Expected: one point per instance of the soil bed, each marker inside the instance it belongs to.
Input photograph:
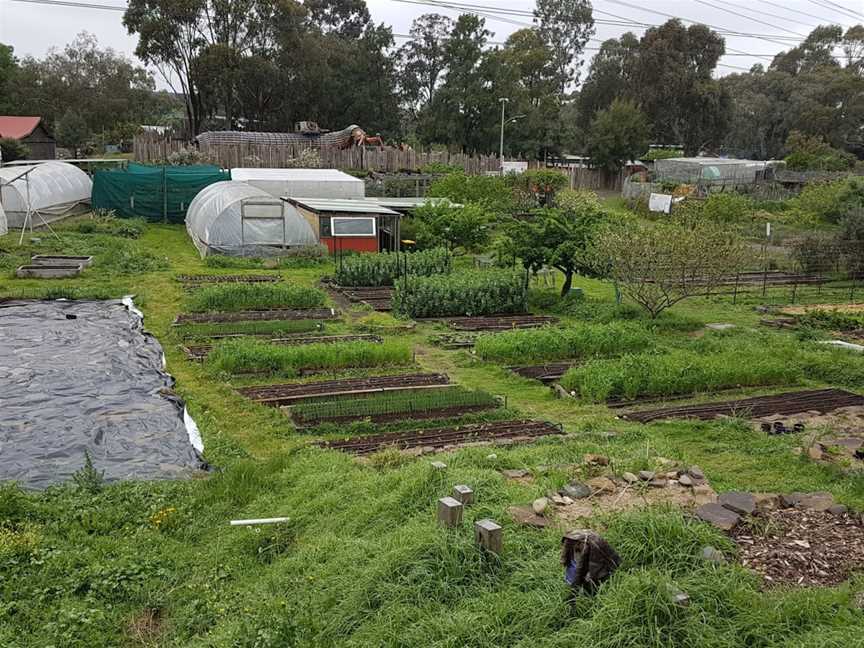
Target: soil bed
(819, 400)
(494, 322)
(441, 437)
(286, 394)
(250, 278)
(258, 316)
(198, 352)
(545, 373)
(802, 547)
(443, 413)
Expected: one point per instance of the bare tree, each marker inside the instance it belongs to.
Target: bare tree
(658, 265)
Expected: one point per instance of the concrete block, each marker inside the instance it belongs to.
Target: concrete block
(488, 534)
(463, 494)
(449, 512)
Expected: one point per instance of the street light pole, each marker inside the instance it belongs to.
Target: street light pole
(503, 101)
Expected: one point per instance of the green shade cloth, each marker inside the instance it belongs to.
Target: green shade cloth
(157, 193)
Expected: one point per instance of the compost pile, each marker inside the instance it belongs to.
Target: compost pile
(803, 547)
(80, 376)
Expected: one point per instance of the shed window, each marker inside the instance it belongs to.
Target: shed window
(364, 226)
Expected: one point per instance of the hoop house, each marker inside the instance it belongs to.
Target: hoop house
(302, 183)
(237, 219)
(3, 228)
(53, 190)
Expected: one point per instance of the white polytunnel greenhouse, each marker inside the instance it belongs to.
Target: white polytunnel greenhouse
(302, 183)
(47, 191)
(3, 228)
(238, 219)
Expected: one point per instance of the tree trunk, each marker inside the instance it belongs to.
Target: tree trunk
(568, 283)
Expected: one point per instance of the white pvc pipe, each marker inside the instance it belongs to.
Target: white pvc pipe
(276, 520)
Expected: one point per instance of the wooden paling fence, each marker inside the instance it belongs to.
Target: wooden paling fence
(148, 149)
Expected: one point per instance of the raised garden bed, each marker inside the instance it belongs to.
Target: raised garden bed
(378, 298)
(207, 279)
(60, 260)
(494, 322)
(199, 352)
(441, 437)
(453, 340)
(819, 400)
(48, 271)
(545, 373)
(258, 316)
(383, 408)
(287, 394)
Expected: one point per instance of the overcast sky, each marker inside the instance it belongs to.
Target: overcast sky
(32, 29)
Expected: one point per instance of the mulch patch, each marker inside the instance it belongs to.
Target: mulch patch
(802, 547)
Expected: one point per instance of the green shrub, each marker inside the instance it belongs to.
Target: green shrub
(239, 297)
(812, 153)
(831, 201)
(493, 192)
(254, 356)
(381, 269)
(105, 222)
(577, 341)
(834, 320)
(727, 207)
(441, 224)
(392, 403)
(465, 293)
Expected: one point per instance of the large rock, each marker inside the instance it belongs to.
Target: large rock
(685, 480)
(696, 472)
(646, 475)
(713, 555)
(629, 477)
(575, 490)
(515, 473)
(738, 502)
(525, 515)
(718, 515)
(601, 485)
(539, 505)
(820, 501)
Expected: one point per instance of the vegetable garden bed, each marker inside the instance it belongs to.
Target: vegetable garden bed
(286, 394)
(197, 280)
(545, 373)
(500, 322)
(259, 315)
(819, 400)
(440, 437)
(199, 352)
(254, 297)
(228, 330)
(382, 408)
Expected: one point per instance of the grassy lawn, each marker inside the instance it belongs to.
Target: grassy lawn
(362, 562)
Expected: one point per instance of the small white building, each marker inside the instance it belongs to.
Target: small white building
(48, 191)
(302, 183)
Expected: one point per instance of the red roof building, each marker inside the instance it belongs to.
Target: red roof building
(32, 133)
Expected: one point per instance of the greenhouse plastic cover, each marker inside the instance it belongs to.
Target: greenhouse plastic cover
(302, 183)
(157, 193)
(214, 222)
(80, 376)
(3, 227)
(56, 189)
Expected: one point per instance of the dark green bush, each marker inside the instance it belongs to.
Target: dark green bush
(488, 292)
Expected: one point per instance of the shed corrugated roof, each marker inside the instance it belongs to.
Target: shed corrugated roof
(17, 127)
(341, 205)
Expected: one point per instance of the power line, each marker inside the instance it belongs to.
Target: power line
(846, 13)
(803, 13)
(740, 15)
(78, 5)
(770, 15)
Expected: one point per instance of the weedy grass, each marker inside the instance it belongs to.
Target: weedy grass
(382, 269)
(263, 296)
(245, 355)
(303, 257)
(716, 366)
(423, 401)
(273, 328)
(558, 343)
(487, 292)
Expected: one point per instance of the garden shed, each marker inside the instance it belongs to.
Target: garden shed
(707, 169)
(350, 225)
(302, 183)
(50, 191)
(158, 193)
(238, 219)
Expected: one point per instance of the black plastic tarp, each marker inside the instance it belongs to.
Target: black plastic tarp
(84, 375)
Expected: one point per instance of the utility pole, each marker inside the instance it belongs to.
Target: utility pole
(503, 101)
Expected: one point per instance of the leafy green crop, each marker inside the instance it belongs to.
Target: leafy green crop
(558, 343)
(393, 403)
(383, 268)
(254, 356)
(238, 297)
(465, 293)
(683, 372)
